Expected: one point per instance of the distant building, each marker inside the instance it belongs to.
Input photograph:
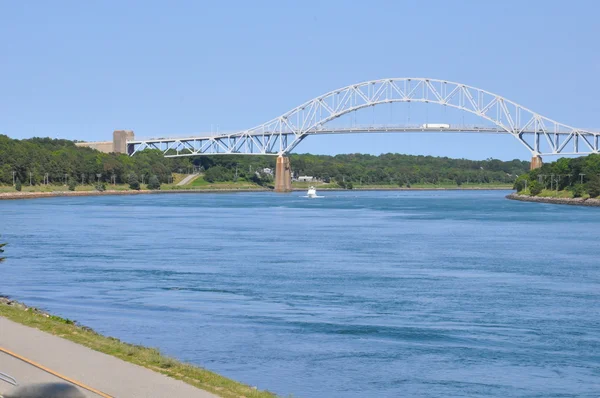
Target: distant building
(306, 178)
(117, 145)
(102, 146)
(267, 170)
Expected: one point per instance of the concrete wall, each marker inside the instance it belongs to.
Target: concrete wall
(102, 146)
(120, 138)
(117, 145)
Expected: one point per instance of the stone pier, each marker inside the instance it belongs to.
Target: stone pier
(283, 175)
(536, 162)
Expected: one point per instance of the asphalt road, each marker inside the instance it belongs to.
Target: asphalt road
(102, 372)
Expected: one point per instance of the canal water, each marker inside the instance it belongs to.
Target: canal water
(357, 294)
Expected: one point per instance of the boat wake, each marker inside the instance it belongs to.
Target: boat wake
(312, 193)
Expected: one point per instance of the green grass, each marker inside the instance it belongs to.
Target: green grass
(356, 185)
(200, 182)
(149, 358)
(547, 193)
(316, 184)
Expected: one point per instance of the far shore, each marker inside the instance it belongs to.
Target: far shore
(37, 195)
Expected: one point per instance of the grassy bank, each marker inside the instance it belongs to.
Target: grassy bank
(201, 184)
(547, 193)
(333, 185)
(125, 187)
(149, 358)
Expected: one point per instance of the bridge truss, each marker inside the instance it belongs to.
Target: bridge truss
(539, 134)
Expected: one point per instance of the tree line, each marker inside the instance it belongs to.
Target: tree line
(579, 175)
(45, 160)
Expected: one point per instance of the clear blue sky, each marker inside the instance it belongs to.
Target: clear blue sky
(81, 69)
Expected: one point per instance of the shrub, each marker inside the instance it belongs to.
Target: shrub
(519, 185)
(72, 184)
(133, 182)
(100, 187)
(578, 190)
(18, 185)
(349, 185)
(218, 174)
(593, 186)
(535, 188)
(153, 183)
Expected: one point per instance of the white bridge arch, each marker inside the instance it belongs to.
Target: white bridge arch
(279, 136)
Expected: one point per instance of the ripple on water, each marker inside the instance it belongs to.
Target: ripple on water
(361, 294)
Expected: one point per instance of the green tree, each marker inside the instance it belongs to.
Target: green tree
(520, 184)
(18, 185)
(218, 174)
(593, 186)
(578, 190)
(154, 183)
(72, 184)
(133, 182)
(535, 188)
(349, 185)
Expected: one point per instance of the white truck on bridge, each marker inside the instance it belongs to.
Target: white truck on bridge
(435, 126)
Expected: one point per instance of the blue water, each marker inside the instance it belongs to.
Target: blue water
(358, 294)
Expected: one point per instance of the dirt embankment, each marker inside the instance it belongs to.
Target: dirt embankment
(33, 195)
(557, 201)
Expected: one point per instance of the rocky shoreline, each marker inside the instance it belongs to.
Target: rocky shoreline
(37, 195)
(557, 201)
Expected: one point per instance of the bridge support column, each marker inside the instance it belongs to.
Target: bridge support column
(283, 175)
(536, 162)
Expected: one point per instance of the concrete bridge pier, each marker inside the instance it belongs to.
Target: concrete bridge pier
(283, 175)
(536, 162)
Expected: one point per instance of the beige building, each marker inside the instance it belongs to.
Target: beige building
(117, 145)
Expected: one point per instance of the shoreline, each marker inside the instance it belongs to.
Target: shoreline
(145, 357)
(38, 195)
(555, 201)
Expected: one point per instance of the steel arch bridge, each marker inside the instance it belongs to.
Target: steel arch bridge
(279, 136)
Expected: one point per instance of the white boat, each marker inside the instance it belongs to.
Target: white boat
(312, 192)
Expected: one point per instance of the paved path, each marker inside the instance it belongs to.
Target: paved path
(102, 372)
(187, 179)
